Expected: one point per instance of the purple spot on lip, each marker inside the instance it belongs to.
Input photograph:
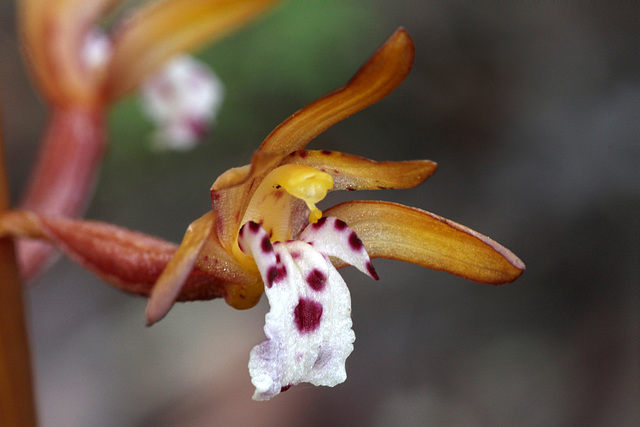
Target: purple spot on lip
(282, 273)
(316, 280)
(266, 245)
(372, 271)
(340, 225)
(285, 388)
(355, 242)
(307, 315)
(276, 273)
(320, 222)
(272, 273)
(254, 226)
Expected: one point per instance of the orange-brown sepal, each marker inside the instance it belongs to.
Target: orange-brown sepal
(391, 230)
(382, 73)
(351, 172)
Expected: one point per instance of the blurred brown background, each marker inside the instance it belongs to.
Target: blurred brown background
(531, 111)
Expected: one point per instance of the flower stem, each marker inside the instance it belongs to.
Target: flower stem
(17, 407)
(63, 178)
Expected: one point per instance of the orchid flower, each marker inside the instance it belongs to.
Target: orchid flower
(81, 69)
(265, 234)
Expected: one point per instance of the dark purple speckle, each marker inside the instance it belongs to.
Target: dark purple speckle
(254, 226)
(282, 273)
(372, 271)
(266, 245)
(319, 223)
(316, 280)
(276, 273)
(307, 315)
(285, 388)
(272, 273)
(340, 225)
(355, 242)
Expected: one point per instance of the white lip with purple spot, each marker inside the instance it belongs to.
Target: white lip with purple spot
(308, 328)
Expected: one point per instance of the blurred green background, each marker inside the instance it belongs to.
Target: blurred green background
(530, 110)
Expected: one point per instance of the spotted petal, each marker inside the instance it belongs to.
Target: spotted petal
(332, 236)
(390, 230)
(308, 329)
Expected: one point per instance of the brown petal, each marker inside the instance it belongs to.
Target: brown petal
(390, 230)
(386, 69)
(160, 30)
(351, 172)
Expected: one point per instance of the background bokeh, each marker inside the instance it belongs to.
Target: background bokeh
(531, 111)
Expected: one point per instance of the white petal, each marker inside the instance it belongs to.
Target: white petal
(308, 328)
(333, 237)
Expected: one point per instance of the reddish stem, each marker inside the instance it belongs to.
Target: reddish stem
(64, 175)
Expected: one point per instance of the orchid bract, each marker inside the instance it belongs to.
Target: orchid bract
(265, 234)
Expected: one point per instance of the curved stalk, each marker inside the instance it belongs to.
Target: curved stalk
(61, 185)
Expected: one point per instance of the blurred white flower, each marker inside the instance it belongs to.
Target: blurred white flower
(182, 99)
